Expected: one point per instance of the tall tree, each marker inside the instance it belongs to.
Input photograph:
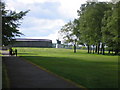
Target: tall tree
(97, 25)
(91, 15)
(10, 24)
(111, 28)
(67, 32)
(70, 33)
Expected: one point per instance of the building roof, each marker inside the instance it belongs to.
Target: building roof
(26, 39)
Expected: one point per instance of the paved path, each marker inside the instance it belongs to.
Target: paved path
(25, 75)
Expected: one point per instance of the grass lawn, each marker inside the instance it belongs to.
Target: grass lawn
(88, 70)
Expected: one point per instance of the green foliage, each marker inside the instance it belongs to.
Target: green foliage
(111, 28)
(67, 32)
(97, 25)
(10, 24)
(83, 47)
(90, 19)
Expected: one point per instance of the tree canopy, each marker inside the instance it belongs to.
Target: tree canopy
(97, 25)
(10, 24)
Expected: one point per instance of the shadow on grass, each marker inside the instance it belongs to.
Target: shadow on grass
(107, 54)
(87, 73)
(27, 54)
(65, 59)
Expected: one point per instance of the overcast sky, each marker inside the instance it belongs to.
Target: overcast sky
(46, 17)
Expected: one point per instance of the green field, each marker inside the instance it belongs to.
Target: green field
(88, 70)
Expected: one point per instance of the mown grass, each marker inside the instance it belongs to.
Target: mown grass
(89, 70)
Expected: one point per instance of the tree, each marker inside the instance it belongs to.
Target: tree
(10, 24)
(76, 31)
(70, 33)
(91, 15)
(67, 32)
(111, 28)
(97, 25)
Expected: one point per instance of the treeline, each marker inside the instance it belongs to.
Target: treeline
(97, 26)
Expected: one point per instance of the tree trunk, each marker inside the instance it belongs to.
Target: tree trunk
(112, 51)
(116, 52)
(98, 48)
(103, 49)
(88, 49)
(109, 52)
(93, 49)
(74, 48)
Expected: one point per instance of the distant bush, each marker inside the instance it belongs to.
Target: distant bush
(83, 47)
(109, 48)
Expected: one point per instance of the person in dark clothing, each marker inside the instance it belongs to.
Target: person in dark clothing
(10, 51)
(16, 52)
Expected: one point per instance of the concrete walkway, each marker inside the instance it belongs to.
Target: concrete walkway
(25, 75)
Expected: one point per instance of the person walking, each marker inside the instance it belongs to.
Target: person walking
(16, 52)
(10, 51)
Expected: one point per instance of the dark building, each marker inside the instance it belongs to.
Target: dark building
(44, 43)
